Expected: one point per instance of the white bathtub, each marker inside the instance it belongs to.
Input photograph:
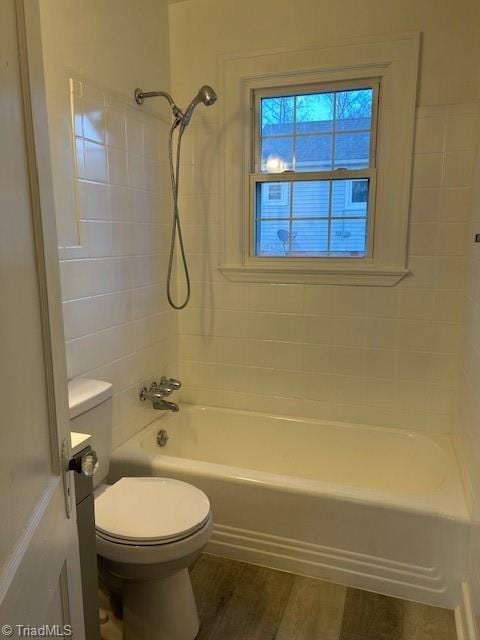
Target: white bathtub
(379, 509)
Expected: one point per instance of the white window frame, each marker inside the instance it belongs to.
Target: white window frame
(394, 62)
(257, 176)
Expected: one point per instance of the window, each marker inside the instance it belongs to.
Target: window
(323, 139)
(317, 151)
(275, 194)
(356, 194)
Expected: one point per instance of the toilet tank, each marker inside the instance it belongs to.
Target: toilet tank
(90, 404)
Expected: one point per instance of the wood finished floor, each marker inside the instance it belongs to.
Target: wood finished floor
(238, 601)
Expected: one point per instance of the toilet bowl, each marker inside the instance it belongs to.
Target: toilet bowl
(148, 531)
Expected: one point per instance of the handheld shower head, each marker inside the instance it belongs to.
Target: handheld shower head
(206, 95)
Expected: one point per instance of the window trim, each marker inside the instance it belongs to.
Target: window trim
(394, 61)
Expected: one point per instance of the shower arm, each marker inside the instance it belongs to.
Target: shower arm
(141, 95)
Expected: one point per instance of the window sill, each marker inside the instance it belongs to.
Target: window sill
(372, 276)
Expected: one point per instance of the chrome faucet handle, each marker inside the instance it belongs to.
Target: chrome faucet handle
(163, 387)
(176, 384)
(144, 394)
(154, 393)
(167, 384)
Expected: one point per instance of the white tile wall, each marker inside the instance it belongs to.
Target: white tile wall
(468, 431)
(117, 324)
(387, 356)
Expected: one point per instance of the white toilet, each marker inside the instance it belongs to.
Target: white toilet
(149, 530)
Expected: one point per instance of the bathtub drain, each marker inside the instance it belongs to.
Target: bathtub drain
(162, 438)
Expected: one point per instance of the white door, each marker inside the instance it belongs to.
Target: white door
(39, 562)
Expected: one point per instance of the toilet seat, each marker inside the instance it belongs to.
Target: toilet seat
(150, 511)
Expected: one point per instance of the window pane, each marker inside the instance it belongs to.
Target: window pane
(338, 119)
(312, 218)
(350, 198)
(313, 153)
(309, 237)
(277, 115)
(314, 112)
(273, 199)
(311, 199)
(353, 109)
(352, 150)
(348, 237)
(277, 154)
(298, 132)
(273, 237)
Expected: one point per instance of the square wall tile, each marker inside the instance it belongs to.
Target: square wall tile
(119, 204)
(427, 170)
(136, 171)
(461, 131)
(458, 168)
(95, 161)
(117, 166)
(116, 127)
(430, 133)
(94, 203)
(94, 118)
(135, 133)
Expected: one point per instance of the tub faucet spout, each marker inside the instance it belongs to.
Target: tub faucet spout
(164, 405)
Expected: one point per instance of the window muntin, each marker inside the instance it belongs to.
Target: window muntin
(329, 135)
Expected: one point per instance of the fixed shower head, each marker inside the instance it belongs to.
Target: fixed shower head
(206, 95)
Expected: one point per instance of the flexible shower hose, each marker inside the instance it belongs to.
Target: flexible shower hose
(176, 223)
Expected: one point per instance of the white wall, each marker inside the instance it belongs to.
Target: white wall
(114, 243)
(387, 356)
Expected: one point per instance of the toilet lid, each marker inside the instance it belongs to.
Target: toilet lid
(150, 510)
